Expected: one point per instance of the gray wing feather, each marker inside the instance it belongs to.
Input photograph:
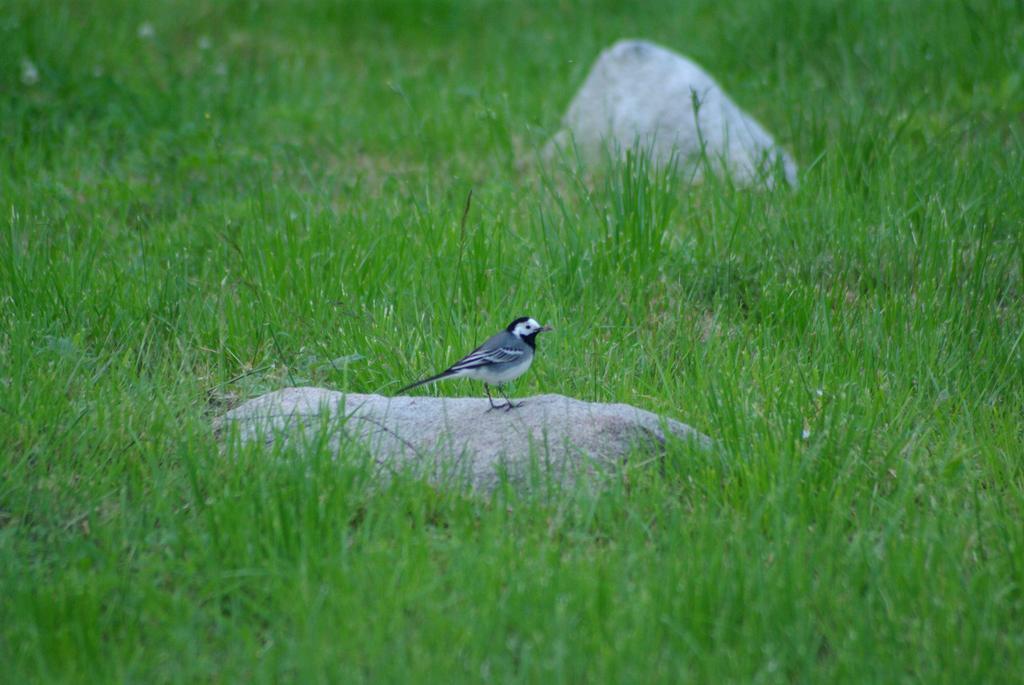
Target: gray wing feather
(484, 357)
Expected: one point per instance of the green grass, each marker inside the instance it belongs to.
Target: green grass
(257, 189)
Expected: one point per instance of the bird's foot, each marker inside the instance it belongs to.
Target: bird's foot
(508, 406)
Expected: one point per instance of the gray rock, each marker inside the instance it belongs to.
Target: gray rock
(549, 436)
(639, 94)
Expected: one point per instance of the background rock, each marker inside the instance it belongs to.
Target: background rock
(458, 437)
(639, 94)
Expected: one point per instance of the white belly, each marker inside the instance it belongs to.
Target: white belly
(496, 375)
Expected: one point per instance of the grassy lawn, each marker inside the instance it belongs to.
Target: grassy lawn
(203, 201)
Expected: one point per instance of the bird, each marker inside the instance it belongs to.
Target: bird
(505, 356)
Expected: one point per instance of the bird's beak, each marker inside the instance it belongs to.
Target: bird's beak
(545, 329)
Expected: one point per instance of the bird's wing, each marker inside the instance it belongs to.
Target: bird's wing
(484, 356)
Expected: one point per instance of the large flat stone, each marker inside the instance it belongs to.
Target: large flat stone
(550, 435)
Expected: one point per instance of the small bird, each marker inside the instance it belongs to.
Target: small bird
(504, 357)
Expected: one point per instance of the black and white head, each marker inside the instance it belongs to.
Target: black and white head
(526, 329)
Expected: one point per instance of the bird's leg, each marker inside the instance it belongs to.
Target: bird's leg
(490, 399)
(509, 405)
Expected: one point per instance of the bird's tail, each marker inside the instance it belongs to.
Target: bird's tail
(441, 376)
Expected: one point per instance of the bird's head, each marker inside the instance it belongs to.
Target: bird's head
(526, 329)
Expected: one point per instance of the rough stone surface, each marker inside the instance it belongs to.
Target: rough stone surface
(639, 94)
(550, 435)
